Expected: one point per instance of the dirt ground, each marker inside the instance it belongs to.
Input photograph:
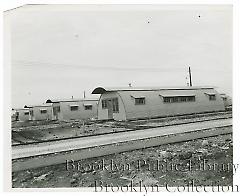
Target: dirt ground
(205, 161)
(24, 132)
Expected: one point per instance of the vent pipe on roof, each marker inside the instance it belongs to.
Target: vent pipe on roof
(130, 84)
(84, 94)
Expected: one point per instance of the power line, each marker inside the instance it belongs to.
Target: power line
(91, 67)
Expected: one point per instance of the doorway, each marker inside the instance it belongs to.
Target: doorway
(110, 108)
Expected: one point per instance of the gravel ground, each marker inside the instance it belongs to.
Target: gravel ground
(48, 130)
(167, 164)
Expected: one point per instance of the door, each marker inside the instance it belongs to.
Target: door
(31, 114)
(56, 110)
(110, 108)
(17, 116)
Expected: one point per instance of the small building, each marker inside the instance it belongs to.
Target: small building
(227, 100)
(73, 109)
(13, 115)
(140, 103)
(40, 112)
(22, 114)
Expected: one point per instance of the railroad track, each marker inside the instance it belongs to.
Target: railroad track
(139, 127)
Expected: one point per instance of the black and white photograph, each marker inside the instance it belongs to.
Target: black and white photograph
(121, 98)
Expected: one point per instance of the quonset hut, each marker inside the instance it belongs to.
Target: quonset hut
(40, 112)
(139, 103)
(73, 109)
(22, 114)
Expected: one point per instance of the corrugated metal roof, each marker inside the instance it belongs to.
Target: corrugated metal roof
(101, 90)
(21, 109)
(43, 105)
(28, 106)
(70, 100)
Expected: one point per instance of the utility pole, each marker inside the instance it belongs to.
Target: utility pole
(84, 94)
(190, 76)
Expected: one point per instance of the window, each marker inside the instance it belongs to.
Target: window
(43, 111)
(88, 107)
(183, 99)
(74, 107)
(176, 99)
(26, 113)
(167, 99)
(115, 105)
(191, 98)
(140, 101)
(212, 97)
(104, 104)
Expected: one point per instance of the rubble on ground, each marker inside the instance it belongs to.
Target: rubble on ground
(216, 152)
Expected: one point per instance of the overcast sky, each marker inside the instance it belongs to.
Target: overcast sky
(60, 51)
